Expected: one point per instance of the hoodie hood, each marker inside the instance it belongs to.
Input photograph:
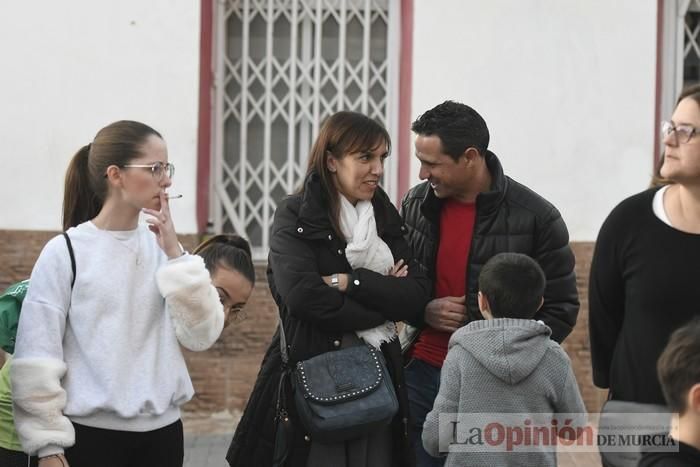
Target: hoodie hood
(510, 349)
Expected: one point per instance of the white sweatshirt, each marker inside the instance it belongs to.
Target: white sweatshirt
(105, 353)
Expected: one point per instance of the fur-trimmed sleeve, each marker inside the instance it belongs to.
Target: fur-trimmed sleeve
(192, 301)
(38, 402)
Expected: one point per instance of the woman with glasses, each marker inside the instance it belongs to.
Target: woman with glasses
(646, 266)
(227, 258)
(339, 270)
(98, 376)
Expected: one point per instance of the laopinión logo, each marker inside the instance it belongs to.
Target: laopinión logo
(528, 432)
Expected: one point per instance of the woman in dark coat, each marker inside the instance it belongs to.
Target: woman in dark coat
(325, 303)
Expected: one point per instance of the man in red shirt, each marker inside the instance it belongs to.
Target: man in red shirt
(465, 212)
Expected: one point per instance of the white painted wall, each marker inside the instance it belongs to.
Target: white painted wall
(70, 68)
(567, 88)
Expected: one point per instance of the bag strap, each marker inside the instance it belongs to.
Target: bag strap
(283, 426)
(283, 345)
(72, 257)
(281, 414)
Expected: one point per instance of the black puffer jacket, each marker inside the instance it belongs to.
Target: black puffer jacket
(304, 247)
(509, 218)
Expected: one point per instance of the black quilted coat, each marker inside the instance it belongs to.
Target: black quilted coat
(509, 218)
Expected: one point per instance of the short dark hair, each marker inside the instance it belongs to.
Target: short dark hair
(679, 365)
(514, 285)
(457, 125)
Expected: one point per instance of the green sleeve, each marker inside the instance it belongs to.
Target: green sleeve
(8, 435)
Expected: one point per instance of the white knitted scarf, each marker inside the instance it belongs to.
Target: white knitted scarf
(366, 250)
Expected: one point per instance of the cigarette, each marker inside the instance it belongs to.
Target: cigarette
(174, 196)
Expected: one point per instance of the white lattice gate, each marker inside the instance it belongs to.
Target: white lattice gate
(681, 50)
(283, 66)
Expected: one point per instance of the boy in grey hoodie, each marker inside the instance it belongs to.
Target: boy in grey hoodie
(505, 364)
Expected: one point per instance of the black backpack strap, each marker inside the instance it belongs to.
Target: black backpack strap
(72, 257)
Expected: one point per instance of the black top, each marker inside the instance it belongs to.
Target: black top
(644, 284)
(509, 218)
(687, 456)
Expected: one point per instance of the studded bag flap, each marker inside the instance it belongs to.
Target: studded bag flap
(342, 394)
(342, 375)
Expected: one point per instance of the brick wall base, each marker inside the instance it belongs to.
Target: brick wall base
(577, 344)
(224, 375)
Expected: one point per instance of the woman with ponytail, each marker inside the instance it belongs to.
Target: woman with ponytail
(229, 262)
(98, 377)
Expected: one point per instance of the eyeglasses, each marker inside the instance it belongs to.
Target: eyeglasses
(234, 312)
(158, 169)
(683, 132)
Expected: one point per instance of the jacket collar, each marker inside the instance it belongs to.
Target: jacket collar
(314, 211)
(486, 202)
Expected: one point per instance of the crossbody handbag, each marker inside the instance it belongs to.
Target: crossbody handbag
(624, 417)
(342, 394)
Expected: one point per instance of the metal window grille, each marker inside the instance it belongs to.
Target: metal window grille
(681, 50)
(282, 67)
(691, 49)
